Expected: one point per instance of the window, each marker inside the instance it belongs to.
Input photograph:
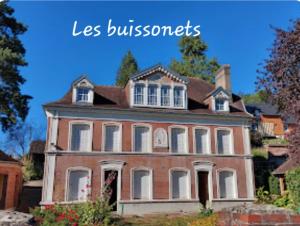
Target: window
(142, 139)
(112, 141)
(152, 95)
(201, 141)
(81, 137)
(78, 185)
(178, 140)
(220, 104)
(227, 185)
(180, 184)
(141, 184)
(224, 142)
(82, 95)
(165, 96)
(139, 94)
(178, 97)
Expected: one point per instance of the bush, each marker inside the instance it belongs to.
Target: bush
(274, 185)
(263, 196)
(28, 169)
(211, 220)
(293, 185)
(256, 139)
(283, 201)
(206, 212)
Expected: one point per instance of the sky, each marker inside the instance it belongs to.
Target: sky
(237, 33)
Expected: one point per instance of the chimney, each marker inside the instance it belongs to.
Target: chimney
(223, 78)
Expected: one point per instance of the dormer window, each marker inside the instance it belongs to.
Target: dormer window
(165, 96)
(82, 95)
(139, 94)
(178, 97)
(152, 95)
(220, 104)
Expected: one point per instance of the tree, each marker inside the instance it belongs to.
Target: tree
(255, 98)
(128, 67)
(194, 62)
(13, 104)
(280, 78)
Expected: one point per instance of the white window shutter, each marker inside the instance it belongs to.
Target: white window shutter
(178, 139)
(112, 138)
(226, 184)
(142, 141)
(141, 185)
(80, 137)
(179, 185)
(224, 141)
(78, 181)
(201, 136)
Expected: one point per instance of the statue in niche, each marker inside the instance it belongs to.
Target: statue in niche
(160, 138)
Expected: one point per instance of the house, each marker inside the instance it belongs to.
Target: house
(172, 144)
(10, 181)
(267, 120)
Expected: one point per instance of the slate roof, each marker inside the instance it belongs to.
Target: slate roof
(263, 108)
(112, 97)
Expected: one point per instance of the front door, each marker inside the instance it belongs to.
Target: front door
(203, 187)
(111, 180)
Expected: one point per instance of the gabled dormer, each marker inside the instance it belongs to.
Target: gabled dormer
(158, 87)
(82, 91)
(220, 99)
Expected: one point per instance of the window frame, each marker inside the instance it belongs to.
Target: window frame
(150, 137)
(186, 138)
(67, 178)
(143, 94)
(152, 96)
(87, 94)
(132, 171)
(208, 151)
(234, 175)
(104, 136)
(80, 122)
(162, 96)
(189, 185)
(232, 152)
(183, 96)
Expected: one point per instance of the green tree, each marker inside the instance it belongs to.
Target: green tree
(13, 104)
(128, 67)
(194, 62)
(255, 98)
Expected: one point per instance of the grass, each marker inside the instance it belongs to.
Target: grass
(165, 220)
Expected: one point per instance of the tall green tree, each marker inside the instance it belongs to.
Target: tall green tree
(128, 67)
(13, 104)
(194, 62)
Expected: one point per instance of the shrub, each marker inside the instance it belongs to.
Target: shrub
(28, 169)
(283, 201)
(293, 185)
(211, 220)
(263, 196)
(273, 185)
(206, 212)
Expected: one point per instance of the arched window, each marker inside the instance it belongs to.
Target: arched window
(180, 184)
(224, 141)
(201, 136)
(227, 184)
(178, 140)
(141, 184)
(142, 141)
(80, 136)
(78, 184)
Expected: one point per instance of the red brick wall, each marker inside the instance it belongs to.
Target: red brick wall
(159, 164)
(63, 128)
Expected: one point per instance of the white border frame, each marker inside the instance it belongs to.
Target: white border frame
(189, 187)
(236, 192)
(132, 171)
(81, 122)
(204, 166)
(67, 177)
(232, 152)
(116, 165)
(104, 124)
(186, 139)
(150, 146)
(208, 151)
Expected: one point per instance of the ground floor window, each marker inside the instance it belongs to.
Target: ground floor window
(141, 184)
(78, 185)
(179, 184)
(227, 184)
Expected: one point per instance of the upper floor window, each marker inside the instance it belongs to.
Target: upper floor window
(179, 140)
(220, 104)
(139, 94)
(178, 97)
(224, 141)
(82, 95)
(227, 184)
(112, 138)
(152, 95)
(142, 139)
(165, 96)
(81, 137)
(201, 137)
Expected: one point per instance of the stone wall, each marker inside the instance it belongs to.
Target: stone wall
(259, 215)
